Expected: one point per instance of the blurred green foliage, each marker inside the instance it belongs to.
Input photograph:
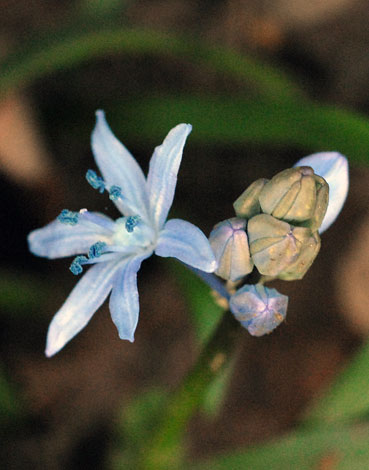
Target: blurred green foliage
(50, 56)
(328, 447)
(228, 120)
(204, 312)
(348, 397)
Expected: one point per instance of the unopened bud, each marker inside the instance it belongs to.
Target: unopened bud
(333, 167)
(248, 205)
(304, 260)
(229, 243)
(275, 245)
(259, 309)
(292, 195)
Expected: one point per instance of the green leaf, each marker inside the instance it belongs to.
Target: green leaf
(228, 120)
(217, 390)
(205, 312)
(52, 55)
(348, 397)
(338, 449)
(135, 426)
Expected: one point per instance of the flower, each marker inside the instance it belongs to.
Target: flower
(117, 248)
(259, 309)
(333, 167)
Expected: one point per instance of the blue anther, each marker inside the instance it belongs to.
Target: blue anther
(68, 217)
(131, 222)
(96, 249)
(115, 192)
(95, 181)
(76, 266)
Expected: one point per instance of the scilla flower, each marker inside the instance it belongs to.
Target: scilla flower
(117, 248)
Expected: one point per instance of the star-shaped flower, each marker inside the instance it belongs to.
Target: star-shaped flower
(117, 248)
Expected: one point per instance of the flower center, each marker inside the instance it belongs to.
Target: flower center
(133, 232)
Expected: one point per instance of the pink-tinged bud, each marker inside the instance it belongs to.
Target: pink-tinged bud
(259, 309)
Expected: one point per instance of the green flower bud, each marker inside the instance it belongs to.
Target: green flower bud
(297, 196)
(276, 246)
(248, 205)
(229, 243)
(322, 199)
(304, 260)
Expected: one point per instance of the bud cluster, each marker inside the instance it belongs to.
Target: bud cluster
(276, 228)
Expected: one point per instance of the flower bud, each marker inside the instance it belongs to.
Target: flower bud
(259, 309)
(276, 245)
(292, 195)
(298, 268)
(229, 243)
(248, 205)
(333, 167)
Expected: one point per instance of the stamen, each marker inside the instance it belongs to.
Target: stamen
(68, 217)
(115, 192)
(96, 250)
(131, 222)
(95, 181)
(76, 266)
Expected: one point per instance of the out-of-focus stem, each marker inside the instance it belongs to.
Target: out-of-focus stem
(164, 450)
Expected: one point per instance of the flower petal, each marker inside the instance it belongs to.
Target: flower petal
(162, 177)
(86, 297)
(119, 168)
(124, 305)
(186, 242)
(58, 240)
(333, 167)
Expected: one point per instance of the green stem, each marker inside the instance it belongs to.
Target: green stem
(163, 452)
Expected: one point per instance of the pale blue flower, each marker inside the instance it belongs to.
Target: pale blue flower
(333, 167)
(259, 309)
(117, 248)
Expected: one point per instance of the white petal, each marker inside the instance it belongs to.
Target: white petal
(86, 297)
(333, 167)
(119, 168)
(186, 242)
(124, 305)
(162, 177)
(58, 240)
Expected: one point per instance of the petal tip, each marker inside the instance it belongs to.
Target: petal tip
(99, 113)
(126, 337)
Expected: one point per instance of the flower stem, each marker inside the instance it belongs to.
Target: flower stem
(211, 280)
(164, 450)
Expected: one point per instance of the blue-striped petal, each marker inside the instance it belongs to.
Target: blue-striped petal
(58, 240)
(162, 177)
(86, 297)
(124, 304)
(119, 168)
(333, 167)
(182, 240)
